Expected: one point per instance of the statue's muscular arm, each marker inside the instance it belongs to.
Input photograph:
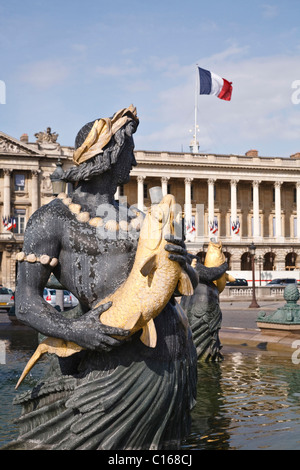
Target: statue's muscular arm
(208, 275)
(43, 236)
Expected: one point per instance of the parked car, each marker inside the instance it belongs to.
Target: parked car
(49, 295)
(238, 282)
(7, 298)
(12, 316)
(281, 282)
(70, 300)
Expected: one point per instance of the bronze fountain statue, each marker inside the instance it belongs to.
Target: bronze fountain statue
(127, 384)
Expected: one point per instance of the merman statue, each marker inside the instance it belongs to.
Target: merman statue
(203, 307)
(118, 390)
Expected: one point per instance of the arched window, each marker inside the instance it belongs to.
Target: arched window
(246, 261)
(290, 261)
(269, 259)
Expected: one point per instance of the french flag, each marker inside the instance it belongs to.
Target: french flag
(212, 84)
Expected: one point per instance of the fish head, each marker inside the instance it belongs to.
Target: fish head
(159, 222)
(214, 256)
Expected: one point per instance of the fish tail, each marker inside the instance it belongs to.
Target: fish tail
(40, 350)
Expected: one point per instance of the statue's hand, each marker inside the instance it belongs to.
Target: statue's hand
(90, 333)
(177, 250)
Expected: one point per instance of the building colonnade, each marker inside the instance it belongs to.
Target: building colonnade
(254, 229)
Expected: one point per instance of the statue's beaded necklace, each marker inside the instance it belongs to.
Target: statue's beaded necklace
(112, 225)
(84, 217)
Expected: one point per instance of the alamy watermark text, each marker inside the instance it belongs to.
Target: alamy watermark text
(2, 92)
(296, 94)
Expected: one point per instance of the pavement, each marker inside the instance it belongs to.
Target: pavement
(239, 327)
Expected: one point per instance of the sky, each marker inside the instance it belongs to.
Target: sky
(65, 63)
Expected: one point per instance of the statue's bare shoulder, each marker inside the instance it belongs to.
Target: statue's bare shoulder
(45, 227)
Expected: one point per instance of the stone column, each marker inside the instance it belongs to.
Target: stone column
(298, 208)
(255, 185)
(233, 201)
(211, 199)
(34, 190)
(140, 180)
(277, 185)
(188, 199)
(164, 184)
(6, 192)
(280, 259)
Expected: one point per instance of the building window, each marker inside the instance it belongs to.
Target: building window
(169, 189)
(269, 259)
(19, 182)
(192, 192)
(145, 191)
(246, 261)
(20, 220)
(252, 226)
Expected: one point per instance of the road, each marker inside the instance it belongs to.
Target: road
(238, 314)
(235, 313)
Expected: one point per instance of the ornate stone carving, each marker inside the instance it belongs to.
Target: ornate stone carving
(165, 179)
(47, 140)
(46, 136)
(188, 180)
(10, 145)
(7, 146)
(46, 183)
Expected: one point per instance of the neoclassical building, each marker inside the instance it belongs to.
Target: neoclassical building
(25, 185)
(237, 199)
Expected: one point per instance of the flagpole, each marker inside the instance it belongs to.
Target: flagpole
(196, 96)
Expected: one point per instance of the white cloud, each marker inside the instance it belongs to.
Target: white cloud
(117, 70)
(260, 112)
(269, 11)
(45, 73)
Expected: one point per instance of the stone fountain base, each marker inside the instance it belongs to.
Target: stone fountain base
(284, 318)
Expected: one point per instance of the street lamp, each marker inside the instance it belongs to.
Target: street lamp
(254, 303)
(58, 185)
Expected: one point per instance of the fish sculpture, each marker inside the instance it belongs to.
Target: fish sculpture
(144, 294)
(214, 258)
